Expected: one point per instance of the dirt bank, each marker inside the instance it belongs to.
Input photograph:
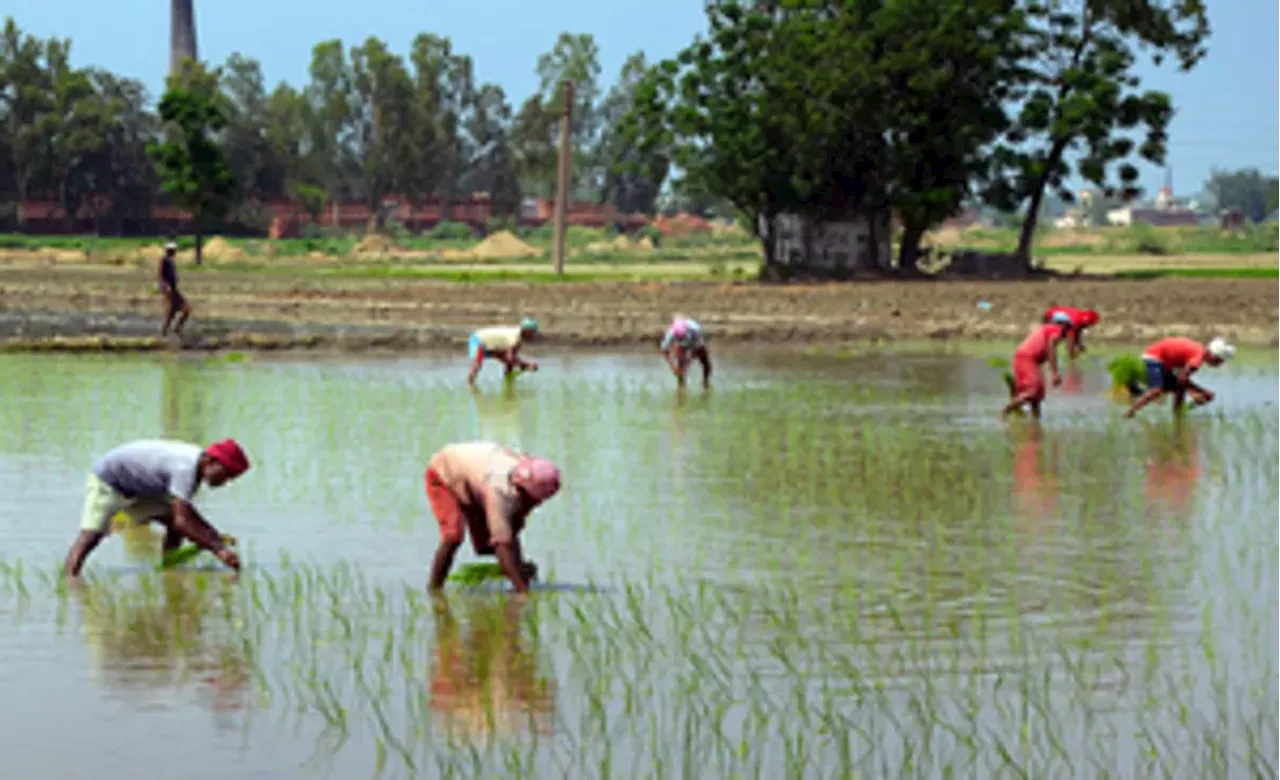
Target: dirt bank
(80, 304)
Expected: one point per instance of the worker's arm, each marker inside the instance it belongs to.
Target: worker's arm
(512, 359)
(499, 514)
(80, 549)
(188, 522)
(1053, 363)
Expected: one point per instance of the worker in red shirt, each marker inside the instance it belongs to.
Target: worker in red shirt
(1170, 362)
(1040, 347)
(1075, 319)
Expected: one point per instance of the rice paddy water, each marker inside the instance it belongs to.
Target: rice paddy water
(824, 567)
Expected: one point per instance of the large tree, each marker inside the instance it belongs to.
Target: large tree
(190, 165)
(1081, 97)
(628, 189)
(382, 118)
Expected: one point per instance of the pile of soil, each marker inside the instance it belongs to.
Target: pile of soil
(681, 225)
(620, 244)
(503, 244)
(374, 244)
(220, 250)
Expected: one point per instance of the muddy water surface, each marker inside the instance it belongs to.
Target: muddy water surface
(822, 567)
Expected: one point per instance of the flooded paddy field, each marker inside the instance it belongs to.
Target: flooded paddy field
(823, 567)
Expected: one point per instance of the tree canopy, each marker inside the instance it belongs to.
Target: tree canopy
(823, 107)
(368, 122)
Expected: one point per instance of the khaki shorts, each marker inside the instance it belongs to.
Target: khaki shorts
(101, 502)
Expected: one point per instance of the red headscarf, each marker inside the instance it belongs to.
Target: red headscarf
(228, 453)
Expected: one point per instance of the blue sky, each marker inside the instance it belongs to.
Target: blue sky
(1228, 107)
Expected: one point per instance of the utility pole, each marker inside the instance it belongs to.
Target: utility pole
(562, 183)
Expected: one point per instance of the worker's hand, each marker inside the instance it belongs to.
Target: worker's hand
(1057, 379)
(229, 557)
(531, 366)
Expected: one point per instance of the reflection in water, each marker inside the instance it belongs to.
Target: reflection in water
(483, 678)
(1072, 380)
(181, 408)
(1035, 472)
(498, 416)
(1173, 468)
(150, 640)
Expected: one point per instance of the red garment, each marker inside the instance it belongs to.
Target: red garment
(453, 518)
(1080, 318)
(1037, 345)
(1177, 352)
(230, 455)
(1027, 377)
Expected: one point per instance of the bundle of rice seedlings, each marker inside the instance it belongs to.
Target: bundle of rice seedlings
(1127, 373)
(477, 573)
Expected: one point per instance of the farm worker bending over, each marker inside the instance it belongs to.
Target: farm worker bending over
(1028, 381)
(501, 343)
(486, 490)
(1170, 362)
(1075, 319)
(683, 343)
(155, 481)
(175, 305)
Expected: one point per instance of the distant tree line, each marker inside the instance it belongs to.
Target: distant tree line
(852, 107)
(1247, 191)
(368, 123)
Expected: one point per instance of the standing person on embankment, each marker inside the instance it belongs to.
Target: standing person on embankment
(1075, 319)
(502, 344)
(1040, 347)
(155, 480)
(1170, 362)
(683, 343)
(175, 305)
(487, 491)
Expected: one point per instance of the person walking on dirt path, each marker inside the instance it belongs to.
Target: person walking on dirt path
(155, 480)
(1040, 347)
(503, 344)
(683, 343)
(1170, 362)
(175, 305)
(487, 491)
(1075, 319)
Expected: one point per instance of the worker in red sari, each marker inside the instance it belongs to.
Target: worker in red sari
(1038, 348)
(1075, 319)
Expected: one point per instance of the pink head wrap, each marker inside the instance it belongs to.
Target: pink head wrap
(538, 477)
(679, 327)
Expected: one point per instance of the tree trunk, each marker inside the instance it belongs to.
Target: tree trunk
(909, 252)
(199, 242)
(1033, 206)
(182, 34)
